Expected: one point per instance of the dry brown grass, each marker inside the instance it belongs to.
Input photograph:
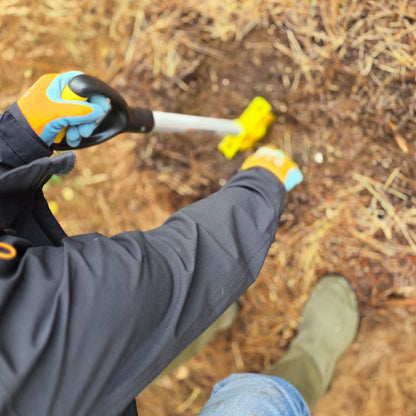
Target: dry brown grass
(340, 76)
(386, 345)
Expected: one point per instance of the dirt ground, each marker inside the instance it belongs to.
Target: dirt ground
(341, 82)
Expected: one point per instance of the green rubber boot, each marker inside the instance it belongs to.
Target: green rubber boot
(329, 324)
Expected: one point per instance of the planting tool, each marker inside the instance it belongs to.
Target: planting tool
(240, 134)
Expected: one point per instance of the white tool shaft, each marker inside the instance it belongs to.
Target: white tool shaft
(182, 123)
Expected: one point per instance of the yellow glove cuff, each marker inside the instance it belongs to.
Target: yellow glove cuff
(276, 162)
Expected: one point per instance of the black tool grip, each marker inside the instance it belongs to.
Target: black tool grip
(119, 119)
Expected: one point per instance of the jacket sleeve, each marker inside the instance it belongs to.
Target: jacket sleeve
(19, 145)
(111, 313)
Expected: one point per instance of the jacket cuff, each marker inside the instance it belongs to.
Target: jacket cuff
(20, 137)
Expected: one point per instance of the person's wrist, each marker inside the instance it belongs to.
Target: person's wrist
(22, 139)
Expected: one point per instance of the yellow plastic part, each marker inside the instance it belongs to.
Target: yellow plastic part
(255, 121)
(67, 94)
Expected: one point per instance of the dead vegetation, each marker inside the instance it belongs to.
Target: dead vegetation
(341, 78)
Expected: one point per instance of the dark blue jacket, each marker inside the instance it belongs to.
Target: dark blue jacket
(86, 322)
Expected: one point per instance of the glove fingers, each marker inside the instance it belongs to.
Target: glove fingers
(74, 134)
(73, 137)
(96, 113)
(101, 101)
(83, 126)
(85, 130)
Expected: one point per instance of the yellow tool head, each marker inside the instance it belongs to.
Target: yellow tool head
(254, 121)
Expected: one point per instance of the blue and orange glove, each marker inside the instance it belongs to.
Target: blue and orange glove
(276, 162)
(54, 111)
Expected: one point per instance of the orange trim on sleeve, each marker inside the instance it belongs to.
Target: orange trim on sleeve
(7, 252)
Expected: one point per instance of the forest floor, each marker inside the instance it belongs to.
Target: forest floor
(341, 81)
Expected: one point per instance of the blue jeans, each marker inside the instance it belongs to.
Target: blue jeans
(254, 394)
